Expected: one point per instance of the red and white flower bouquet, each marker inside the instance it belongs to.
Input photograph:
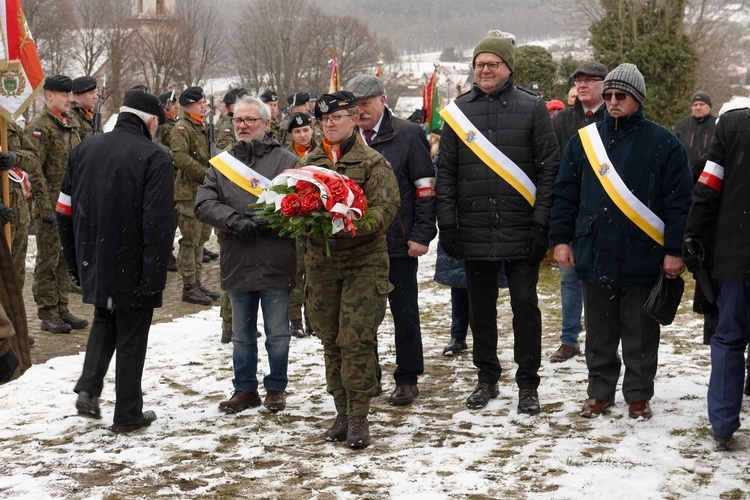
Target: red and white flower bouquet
(315, 201)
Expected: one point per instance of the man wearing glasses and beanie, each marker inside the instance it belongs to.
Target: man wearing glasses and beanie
(621, 197)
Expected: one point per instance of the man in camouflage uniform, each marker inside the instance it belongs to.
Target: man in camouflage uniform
(348, 290)
(53, 135)
(168, 101)
(272, 101)
(85, 98)
(189, 150)
(225, 127)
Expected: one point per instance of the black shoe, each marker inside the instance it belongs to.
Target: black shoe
(191, 293)
(528, 402)
(482, 395)
(226, 336)
(454, 347)
(296, 328)
(56, 325)
(309, 329)
(88, 405)
(31, 340)
(211, 255)
(206, 258)
(74, 322)
(208, 293)
(172, 263)
(148, 417)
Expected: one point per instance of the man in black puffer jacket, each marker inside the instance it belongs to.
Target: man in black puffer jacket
(498, 161)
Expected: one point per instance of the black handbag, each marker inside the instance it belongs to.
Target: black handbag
(664, 299)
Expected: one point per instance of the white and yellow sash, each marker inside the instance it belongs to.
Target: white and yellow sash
(239, 173)
(613, 184)
(488, 153)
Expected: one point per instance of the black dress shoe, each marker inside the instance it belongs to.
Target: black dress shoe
(211, 255)
(528, 402)
(88, 405)
(454, 347)
(403, 395)
(482, 395)
(148, 417)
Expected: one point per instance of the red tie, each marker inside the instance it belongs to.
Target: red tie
(369, 134)
(589, 113)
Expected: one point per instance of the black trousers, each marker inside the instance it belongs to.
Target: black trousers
(124, 330)
(481, 281)
(615, 315)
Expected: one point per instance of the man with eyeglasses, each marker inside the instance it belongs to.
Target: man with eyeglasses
(347, 290)
(587, 108)
(189, 150)
(621, 197)
(498, 161)
(257, 265)
(405, 147)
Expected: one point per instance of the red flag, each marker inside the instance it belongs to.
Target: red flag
(335, 84)
(21, 74)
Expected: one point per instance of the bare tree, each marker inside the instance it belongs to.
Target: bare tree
(159, 48)
(201, 43)
(91, 35)
(50, 22)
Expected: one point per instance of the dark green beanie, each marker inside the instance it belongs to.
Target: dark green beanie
(499, 43)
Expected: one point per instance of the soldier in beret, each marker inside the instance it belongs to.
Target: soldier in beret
(272, 101)
(85, 98)
(168, 101)
(189, 149)
(53, 135)
(225, 129)
(347, 291)
(298, 103)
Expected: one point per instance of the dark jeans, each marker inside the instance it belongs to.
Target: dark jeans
(459, 313)
(481, 280)
(124, 330)
(613, 315)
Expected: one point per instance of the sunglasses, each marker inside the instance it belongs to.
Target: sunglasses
(620, 96)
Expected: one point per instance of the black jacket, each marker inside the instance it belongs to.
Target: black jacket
(121, 188)
(492, 219)
(719, 213)
(695, 135)
(569, 120)
(405, 147)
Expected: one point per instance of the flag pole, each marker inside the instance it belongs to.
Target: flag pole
(5, 179)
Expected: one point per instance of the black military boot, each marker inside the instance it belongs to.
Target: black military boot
(359, 432)
(296, 328)
(172, 263)
(191, 293)
(207, 292)
(339, 429)
(75, 322)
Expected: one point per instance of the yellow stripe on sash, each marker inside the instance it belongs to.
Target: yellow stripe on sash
(239, 173)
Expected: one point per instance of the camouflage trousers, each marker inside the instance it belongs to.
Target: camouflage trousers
(226, 312)
(347, 300)
(298, 294)
(19, 231)
(51, 281)
(195, 234)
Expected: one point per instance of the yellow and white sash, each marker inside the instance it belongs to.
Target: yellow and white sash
(488, 153)
(239, 173)
(613, 184)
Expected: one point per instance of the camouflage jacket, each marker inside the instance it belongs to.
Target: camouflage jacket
(53, 139)
(24, 149)
(371, 171)
(224, 132)
(165, 131)
(188, 147)
(83, 120)
(276, 131)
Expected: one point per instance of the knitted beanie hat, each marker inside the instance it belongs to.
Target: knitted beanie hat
(627, 77)
(499, 43)
(701, 96)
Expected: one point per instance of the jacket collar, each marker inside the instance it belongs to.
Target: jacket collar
(624, 123)
(132, 123)
(386, 130)
(503, 88)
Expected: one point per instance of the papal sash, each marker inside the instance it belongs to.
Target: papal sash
(613, 184)
(239, 173)
(488, 153)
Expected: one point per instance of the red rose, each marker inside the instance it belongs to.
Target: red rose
(337, 188)
(311, 202)
(360, 201)
(290, 205)
(304, 186)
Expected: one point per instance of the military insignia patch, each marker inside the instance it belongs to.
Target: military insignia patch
(299, 120)
(323, 106)
(12, 83)
(36, 134)
(603, 169)
(180, 128)
(471, 136)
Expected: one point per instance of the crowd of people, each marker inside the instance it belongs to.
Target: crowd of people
(514, 176)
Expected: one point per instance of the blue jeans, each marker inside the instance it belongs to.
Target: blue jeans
(571, 298)
(728, 357)
(275, 306)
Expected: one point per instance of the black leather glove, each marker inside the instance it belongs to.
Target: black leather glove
(538, 243)
(449, 241)
(8, 160)
(74, 277)
(260, 222)
(6, 214)
(144, 291)
(693, 254)
(244, 227)
(8, 365)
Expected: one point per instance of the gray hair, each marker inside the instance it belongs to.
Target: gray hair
(263, 109)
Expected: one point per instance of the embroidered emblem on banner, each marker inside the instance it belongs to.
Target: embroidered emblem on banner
(471, 136)
(254, 183)
(603, 169)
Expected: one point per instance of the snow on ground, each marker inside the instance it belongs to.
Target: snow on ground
(433, 449)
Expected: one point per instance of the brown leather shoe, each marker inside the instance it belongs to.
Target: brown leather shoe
(56, 325)
(75, 322)
(564, 353)
(640, 409)
(191, 293)
(208, 293)
(593, 407)
(403, 395)
(359, 433)
(275, 401)
(240, 400)
(339, 429)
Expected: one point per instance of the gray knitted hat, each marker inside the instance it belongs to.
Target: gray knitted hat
(499, 43)
(701, 96)
(627, 77)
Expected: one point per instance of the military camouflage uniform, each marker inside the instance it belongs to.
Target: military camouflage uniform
(165, 131)
(347, 291)
(276, 130)
(189, 150)
(53, 136)
(19, 230)
(83, 119)
(224, 132)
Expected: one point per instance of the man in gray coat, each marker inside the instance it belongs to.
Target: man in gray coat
(258, 267)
